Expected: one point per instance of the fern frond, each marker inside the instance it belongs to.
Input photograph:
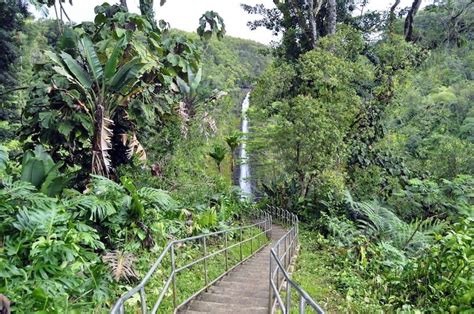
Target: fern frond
(89, 205)
(384, 225)
(157, 198)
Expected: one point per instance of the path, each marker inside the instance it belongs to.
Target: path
(244, 290)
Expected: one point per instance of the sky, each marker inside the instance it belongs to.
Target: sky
(185, 14)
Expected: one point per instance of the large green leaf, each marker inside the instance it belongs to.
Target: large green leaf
(195, 80)
(114, 58)
(3, 157)
(54, 183)
(54, 57)
(77, 70)
(33, 171)
(42, 155)
(92, 59)
(128, 74)
(183, 86)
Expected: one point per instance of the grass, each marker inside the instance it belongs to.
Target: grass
(336, 289)
(191, 280)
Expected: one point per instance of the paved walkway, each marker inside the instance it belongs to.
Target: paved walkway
(244, 290)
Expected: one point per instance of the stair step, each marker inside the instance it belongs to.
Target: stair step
(214, 307)
(244, 290)
(243, 286)
(234, 291)
(242, 278)
(235, 299)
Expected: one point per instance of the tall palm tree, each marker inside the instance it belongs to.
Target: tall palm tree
(232, 141)
(218, 154)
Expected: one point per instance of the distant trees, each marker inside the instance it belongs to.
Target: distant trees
(12, 16)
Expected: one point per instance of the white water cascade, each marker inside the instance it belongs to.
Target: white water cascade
(244, 177)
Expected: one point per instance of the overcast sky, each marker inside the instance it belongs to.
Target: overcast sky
(184, 14)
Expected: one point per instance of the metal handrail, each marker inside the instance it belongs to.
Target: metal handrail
(264, 224)
(280, 262)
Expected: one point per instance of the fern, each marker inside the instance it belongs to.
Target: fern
(157, 198)
(90, 206)
(208, 218)
(381, 224)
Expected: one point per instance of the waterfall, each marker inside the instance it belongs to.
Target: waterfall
(244, 177)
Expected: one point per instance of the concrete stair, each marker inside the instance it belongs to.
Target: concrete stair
(245, 290)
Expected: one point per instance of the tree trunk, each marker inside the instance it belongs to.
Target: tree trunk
(392, 16)
(146, 9)
(101, 143)
(409, 20)
(332, 17)
(123, 3)
(314, 7)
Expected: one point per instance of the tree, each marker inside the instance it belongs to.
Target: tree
(218, 154)
(146, 9)
(12, 16)
(297, 23)
(408, 28)
(233, 142)
(123, 3)
(332, 17)
(445, 24)
(392, 16)
(302, 23)
(307, 110)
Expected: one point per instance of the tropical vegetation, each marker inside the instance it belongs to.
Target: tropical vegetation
(121, 134)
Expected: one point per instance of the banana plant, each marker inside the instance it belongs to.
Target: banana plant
(109, 69)
(104, 86)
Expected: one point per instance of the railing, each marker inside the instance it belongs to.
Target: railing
(264, 225)
(281, 258)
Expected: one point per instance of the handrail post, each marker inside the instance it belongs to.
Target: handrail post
(302, 305)
(251, 244)
(258, 235)
(241, 239)
(270, 292)
(278, 268)
(225, 252)
(143, 300)
(288, 297)
(206, 280)
(173, 267)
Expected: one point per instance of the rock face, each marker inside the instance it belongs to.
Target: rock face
(244, 290)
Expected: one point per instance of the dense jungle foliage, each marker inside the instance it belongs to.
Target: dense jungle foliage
(120, 134)
(106, 139)
(366, 131)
